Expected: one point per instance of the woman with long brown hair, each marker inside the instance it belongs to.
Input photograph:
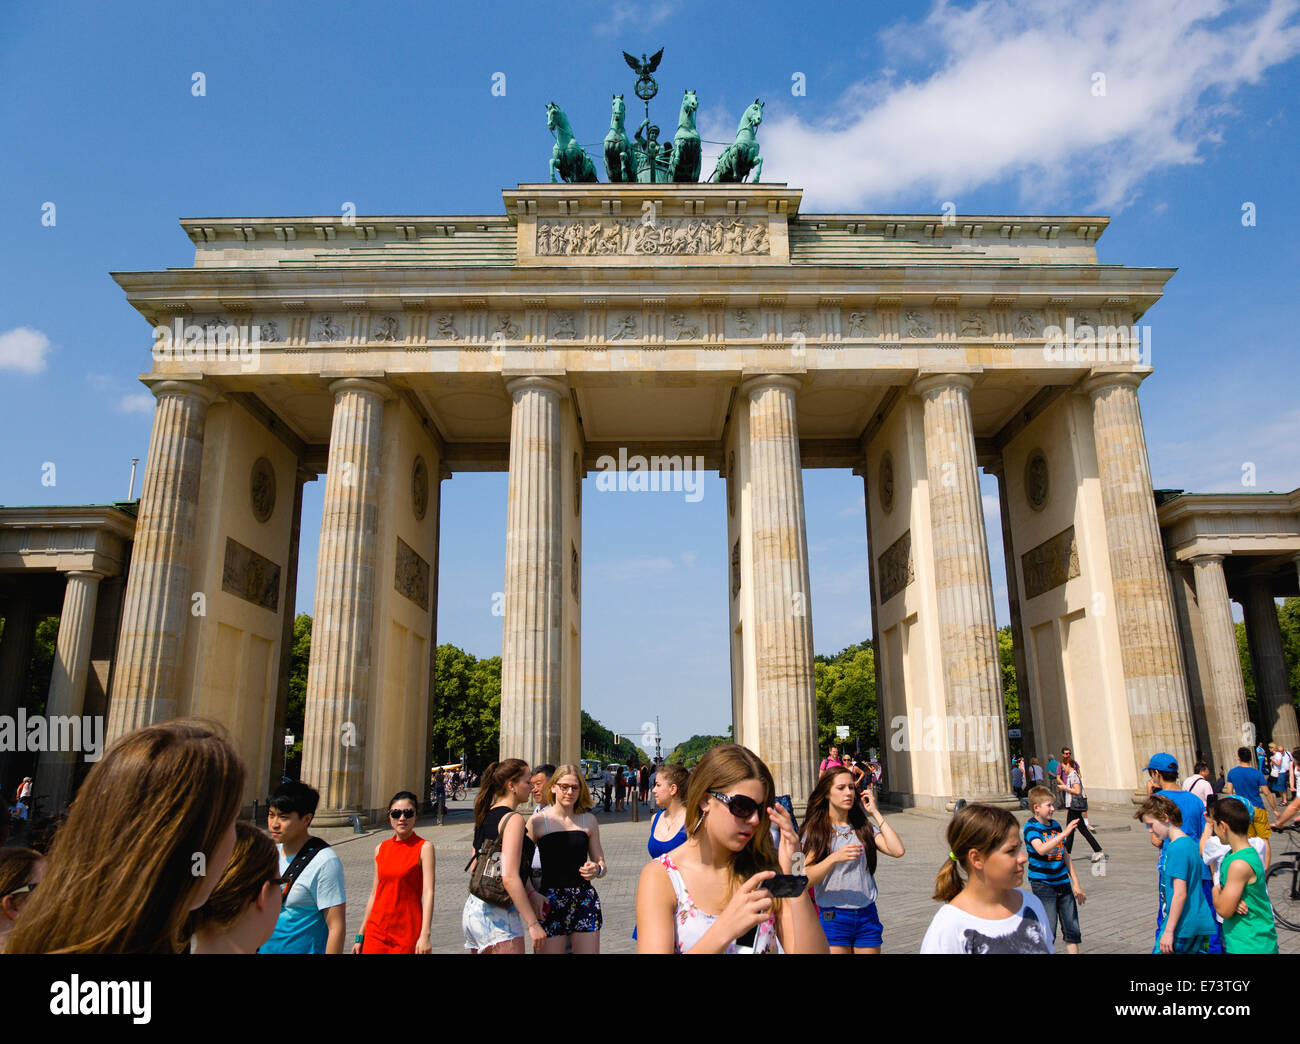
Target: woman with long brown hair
(709, 895)
(240, 914)
(841, 850)
(501, 929)
(988, 912)
(148, 837)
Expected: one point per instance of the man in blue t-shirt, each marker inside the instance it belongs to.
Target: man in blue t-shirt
(1248, 782)
(313, 915)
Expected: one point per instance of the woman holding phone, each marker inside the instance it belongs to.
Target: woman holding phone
(715, 893)
(841, 850)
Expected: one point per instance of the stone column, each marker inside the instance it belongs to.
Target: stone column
(532, 639)
(1225, 695)
(15, 659)
(1272, 687)
(1028, 741)
(782, 625)
(290, 614)
(68, 689)
(1155, 685)
(338, 676)
(968, 633)
(157, 604)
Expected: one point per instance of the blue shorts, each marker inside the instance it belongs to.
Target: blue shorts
(845, 926)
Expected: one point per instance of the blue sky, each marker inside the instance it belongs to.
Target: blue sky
(992, 106)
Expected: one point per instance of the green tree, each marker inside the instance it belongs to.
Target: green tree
(466, 708)
(296, 708)
(690, 751)
(598, 742)
(1010, 693)
(846, 695)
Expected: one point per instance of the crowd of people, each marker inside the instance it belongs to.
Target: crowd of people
(144, 864)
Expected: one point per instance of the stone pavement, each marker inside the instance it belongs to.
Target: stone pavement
(1118, 916)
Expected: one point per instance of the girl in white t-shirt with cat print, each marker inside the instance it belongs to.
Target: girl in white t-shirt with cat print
(987, 912)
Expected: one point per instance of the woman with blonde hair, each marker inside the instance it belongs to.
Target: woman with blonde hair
(568, 838)
(148, 837)
(709, 895)
(988, 912)
(240, 914)
(502, 929)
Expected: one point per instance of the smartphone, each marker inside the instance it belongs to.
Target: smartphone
(786, 886)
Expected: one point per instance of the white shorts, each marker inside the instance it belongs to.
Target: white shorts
(486, 925)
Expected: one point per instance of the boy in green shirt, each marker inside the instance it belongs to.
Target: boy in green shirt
(1241, 883)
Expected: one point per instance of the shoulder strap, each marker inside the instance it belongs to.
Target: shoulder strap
(305, 855)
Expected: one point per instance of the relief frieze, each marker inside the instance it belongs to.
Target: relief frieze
(664, 236)
(1050, 564)
(896, 567)
(411, 574)
(250, 576)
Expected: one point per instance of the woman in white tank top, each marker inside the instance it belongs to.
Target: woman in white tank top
(708, 894)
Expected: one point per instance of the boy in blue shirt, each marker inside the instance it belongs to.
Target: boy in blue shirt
(1185, 922)
(314, 906)
(1051, 874)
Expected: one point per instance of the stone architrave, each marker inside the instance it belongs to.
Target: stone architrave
(339, 674)
(964, 585)
(1268, 661)
(67, 696)
(532, 640)
(1225, 694)
(787, 700)
(158, 595)
(1155, 683)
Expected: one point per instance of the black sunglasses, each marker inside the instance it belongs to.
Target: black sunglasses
(739, 805)
(401, 813)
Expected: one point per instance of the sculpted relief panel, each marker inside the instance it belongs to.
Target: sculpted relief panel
(662, 236)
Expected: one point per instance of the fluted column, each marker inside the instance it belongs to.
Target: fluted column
(1225, 690)
(787, 698)
(1154, 681)
(531, 640)
(68, 684)
(968, 632)
(1272, 687)
(157, 602)
(338, 676)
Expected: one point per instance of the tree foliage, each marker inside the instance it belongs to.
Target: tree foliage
(467, 708)
(846, 695)
(598, 742)
(690, 751)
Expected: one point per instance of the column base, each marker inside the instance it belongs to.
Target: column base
(1008, 801)
(336, 817)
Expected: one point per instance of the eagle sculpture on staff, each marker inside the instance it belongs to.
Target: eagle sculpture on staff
(643, 68)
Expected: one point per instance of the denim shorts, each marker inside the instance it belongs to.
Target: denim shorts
(847, 926)
(1059, 904)
(486, 925)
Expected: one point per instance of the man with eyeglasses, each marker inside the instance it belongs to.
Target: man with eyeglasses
(314, 907)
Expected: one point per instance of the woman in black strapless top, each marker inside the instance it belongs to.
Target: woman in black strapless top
(568, 839)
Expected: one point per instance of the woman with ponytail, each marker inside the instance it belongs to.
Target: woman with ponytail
(498, 929)
(987, 912)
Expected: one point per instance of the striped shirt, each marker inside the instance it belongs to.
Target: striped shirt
(1050, 868)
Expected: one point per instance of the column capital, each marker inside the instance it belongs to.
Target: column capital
(361, 384)
(556, 385)
(195, 388)
(928, 382)
(1206, 559)
(93, 575)
(759, 381)
(1101, 380)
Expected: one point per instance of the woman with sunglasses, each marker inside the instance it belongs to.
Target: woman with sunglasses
(569, 841)
(709, 895)
(20, 873)
(399, 911)
(241, 912)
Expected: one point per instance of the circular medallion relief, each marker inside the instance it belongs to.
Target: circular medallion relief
(261, 489)
(1036, 480)
(420, 488)
(886, 484)
(731, 483)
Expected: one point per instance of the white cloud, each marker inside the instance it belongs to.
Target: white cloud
(136, 402)
(1010, 94)
(23, 350)
(688, 559)
(629, 15)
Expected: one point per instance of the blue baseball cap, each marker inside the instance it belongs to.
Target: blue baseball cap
(1162, 763)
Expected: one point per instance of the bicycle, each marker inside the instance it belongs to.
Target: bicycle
(1283, 882)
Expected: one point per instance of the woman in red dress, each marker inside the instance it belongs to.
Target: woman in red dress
(399, 911)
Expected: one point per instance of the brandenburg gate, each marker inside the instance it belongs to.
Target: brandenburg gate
(672, 320)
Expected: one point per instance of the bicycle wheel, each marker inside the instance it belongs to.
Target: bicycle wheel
(1283, 884)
